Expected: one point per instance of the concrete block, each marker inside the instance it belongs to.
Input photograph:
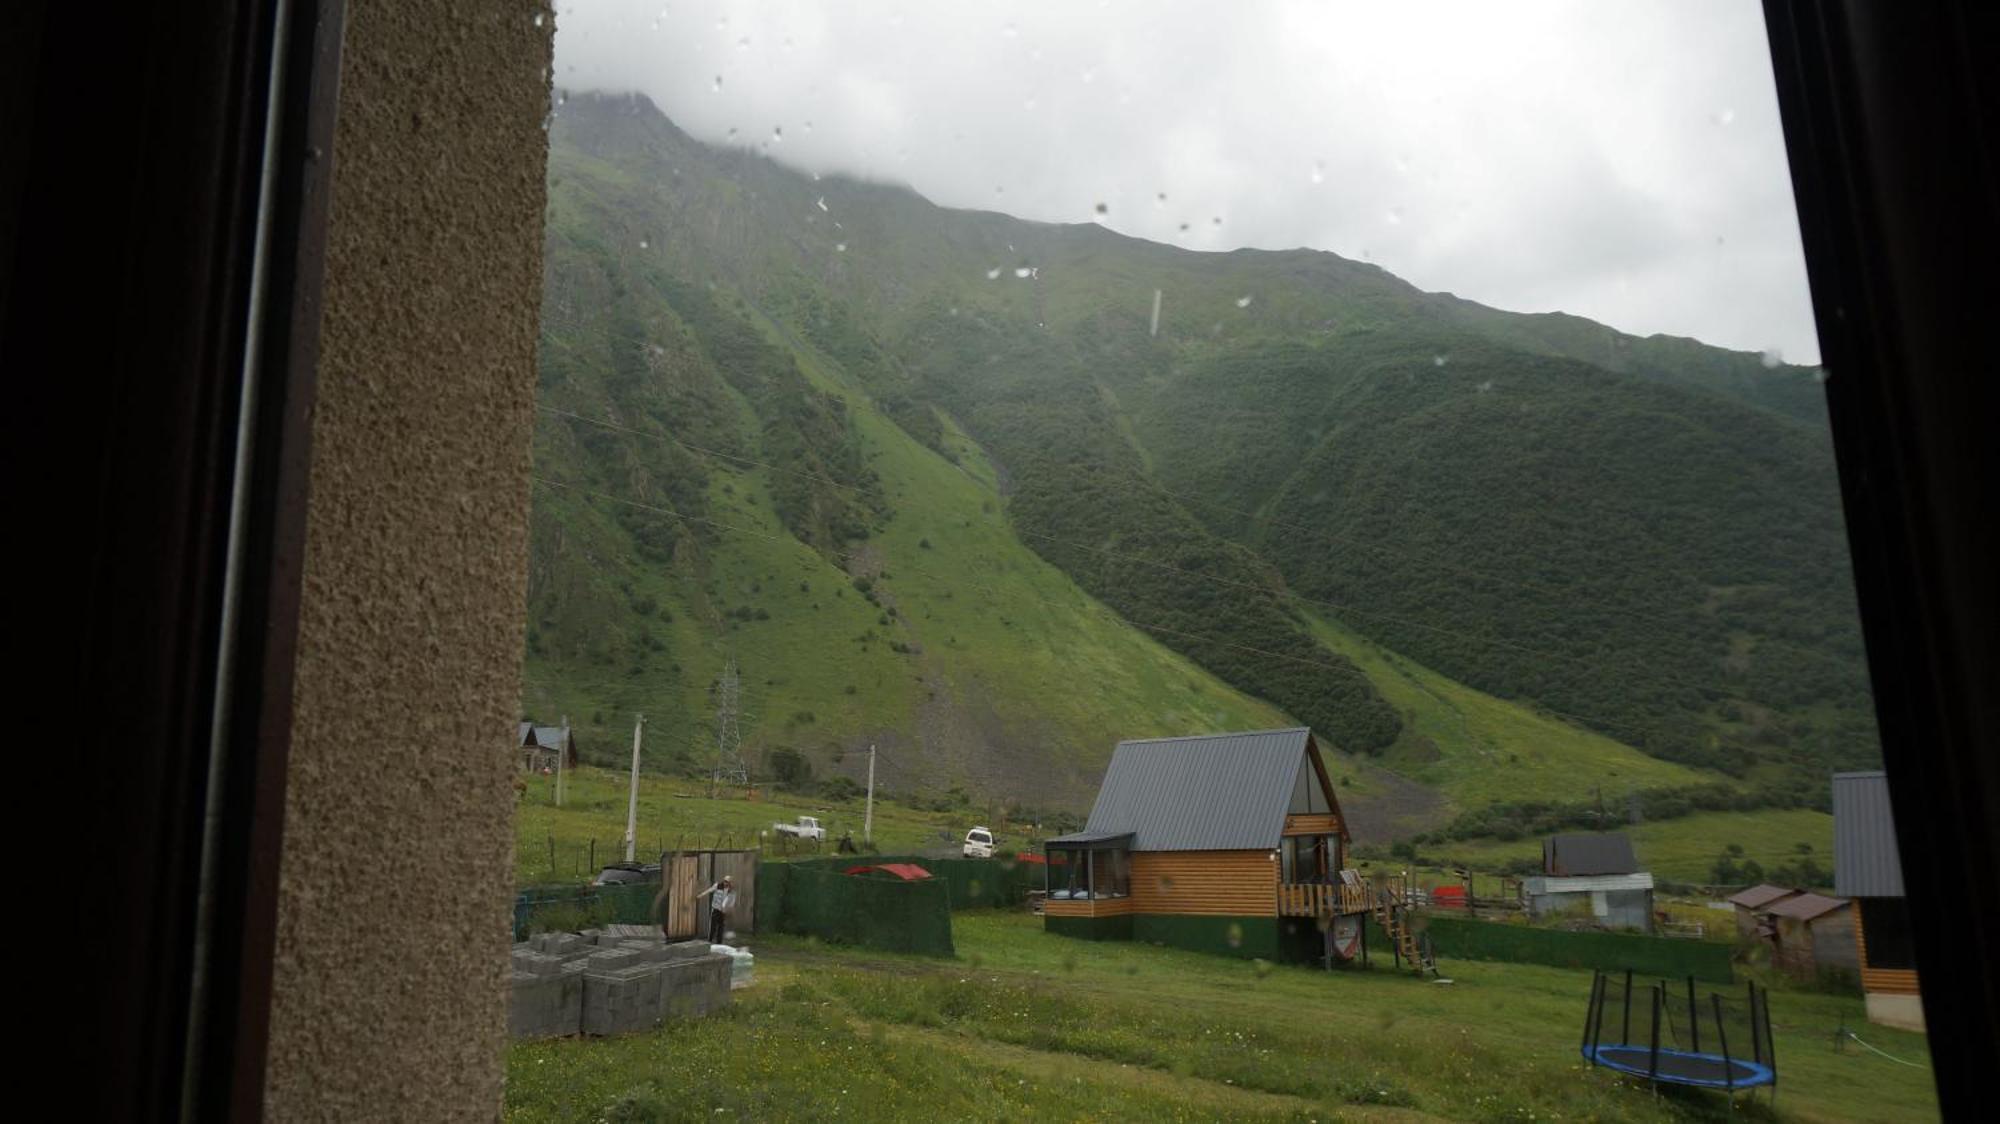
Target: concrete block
(545, 1006)
(694, 986)
(613, 959)
(621, 1000)
(686, 950)
(633, 932)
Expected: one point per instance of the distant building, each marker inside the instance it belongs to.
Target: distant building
(1810, 932)
(1753, 909)
(1868, 869)
(541, 746)
(1595, 873)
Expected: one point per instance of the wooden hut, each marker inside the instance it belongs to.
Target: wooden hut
(1753, 907)
(1810, 932)
(1230, 843)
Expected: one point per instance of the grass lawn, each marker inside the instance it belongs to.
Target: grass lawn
(1685, 849)
(1024, 1025)
(677, 811)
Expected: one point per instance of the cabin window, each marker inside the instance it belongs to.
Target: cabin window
(1885, 930)
(1089, 873)
(1307, 858)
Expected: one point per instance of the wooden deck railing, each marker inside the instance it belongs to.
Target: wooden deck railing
(1316, 899)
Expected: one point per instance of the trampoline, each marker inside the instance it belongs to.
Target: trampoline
(1668, 1034)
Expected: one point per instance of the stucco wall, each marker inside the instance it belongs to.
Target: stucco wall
(389, 991)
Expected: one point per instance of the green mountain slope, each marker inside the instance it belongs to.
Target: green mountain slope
(937, 480)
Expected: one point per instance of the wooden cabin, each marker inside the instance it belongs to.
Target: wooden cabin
(1231, 843)
(1810, 933)
(1868, 869)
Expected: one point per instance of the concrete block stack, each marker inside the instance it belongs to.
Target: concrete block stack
(611, 981)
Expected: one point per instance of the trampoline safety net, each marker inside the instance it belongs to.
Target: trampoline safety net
(1669, 1031)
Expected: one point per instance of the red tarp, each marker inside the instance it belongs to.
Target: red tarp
(1030, 857)
(908, 872)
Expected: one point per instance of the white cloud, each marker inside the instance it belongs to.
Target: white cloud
(1621, 161)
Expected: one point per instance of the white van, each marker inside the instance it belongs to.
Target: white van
(979, 844)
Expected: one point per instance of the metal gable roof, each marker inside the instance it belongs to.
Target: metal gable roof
(1865, 861)
(1214, 792)
(1588, 853)
(1759, 895)
(1805, 907)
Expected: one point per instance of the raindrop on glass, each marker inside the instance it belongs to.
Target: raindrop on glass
(1439, 360)
(538, 19)
(562, 97)
(840, 247)
(1009, 31)
(1486, 386)
(1772, 358)
(1395, 216)
(1217, 220)
(777, 135)
(821, 202)
(743, 44)
(643, 244)
(1103, 209)
(1319, 171)
(1089, 76)
(1725, 117)
(993, 275)
(715, 87)
(1243, 301)
(1024, 273)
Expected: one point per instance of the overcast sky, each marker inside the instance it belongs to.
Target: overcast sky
(1617, 159)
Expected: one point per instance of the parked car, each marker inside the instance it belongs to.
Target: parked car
(619, 874)
(807, 828)
(979, 843)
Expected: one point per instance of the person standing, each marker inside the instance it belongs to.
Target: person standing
(721, 900)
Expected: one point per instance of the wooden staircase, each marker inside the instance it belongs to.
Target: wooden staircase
(1410, 949)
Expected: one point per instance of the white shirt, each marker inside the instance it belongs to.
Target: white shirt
(724, 899)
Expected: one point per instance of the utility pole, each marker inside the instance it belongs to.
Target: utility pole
(632, 801)
(868, 816)
(562, 759)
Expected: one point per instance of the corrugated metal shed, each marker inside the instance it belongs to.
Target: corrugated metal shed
(1865, 861)
(1215, 792)
(1758, 896)
(1588, 853)
(1805, 907)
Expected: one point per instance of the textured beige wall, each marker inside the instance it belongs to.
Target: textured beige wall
(389, 996)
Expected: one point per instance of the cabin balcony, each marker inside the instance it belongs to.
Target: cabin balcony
(1323, 899)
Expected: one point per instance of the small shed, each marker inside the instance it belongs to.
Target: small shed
(1754, 904)
(541, 747)
(1593, 872)
(1868, 869)
(1811, 932)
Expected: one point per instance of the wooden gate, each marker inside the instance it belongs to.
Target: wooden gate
(685, 874)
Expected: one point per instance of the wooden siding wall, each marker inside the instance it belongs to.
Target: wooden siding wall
(1216, 883)
(1089, 907)
(1881, 981)
(1323, 823)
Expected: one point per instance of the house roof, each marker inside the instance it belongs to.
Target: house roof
(1088, 839)
(908, 872)
(1214, 792)
(1588, 853)
(1865, 860)
(1806, 906)
(1758, 896)
(543, 737)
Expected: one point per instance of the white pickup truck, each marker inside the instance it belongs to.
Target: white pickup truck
(807, 828)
